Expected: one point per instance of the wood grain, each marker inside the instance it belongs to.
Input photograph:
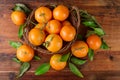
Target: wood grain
(106, 64)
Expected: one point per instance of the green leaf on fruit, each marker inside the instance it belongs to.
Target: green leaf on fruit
(99, 31)
(65, 57)
(21, 7)
(90, 32)
(104, 45)
(15, 44)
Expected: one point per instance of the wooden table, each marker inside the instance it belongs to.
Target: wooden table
(106, 64)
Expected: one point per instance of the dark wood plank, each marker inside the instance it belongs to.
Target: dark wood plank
(104, 64)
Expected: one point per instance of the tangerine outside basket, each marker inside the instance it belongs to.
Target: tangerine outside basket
(74, 18)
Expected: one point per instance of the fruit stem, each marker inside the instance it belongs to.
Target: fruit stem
(33, 23)
(78, 48)
(69, 57)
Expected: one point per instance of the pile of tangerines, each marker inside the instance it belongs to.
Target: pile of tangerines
(52, 29)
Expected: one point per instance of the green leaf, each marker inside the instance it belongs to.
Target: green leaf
(75, 70)
(89, 32)
(91, 54)
(15, 44)
(78, 61)
(16, 60)
(17, 8)
(85, 16)
(79, 37)
(42, 69)
(89, 24)
(65, 57)
(104, 45)
(36, 57)
(99, 31)
(22, 7)
(20, 32)
(94, 19)
(24, 67)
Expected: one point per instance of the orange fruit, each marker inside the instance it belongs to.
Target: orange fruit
(94, 42)
(36, 36)
(53, 42)
(61, 13)
(68, 33)
(41, 26)
(79, 49)
(18, 17)
(53, 26)
(56, 63)
(25, 53)
(65, 23)
(43, 14)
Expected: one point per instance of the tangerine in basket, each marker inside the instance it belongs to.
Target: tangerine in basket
(56, 63)
(43, 14)
(65, 23)
(68, 32)
(60, 13)
(41, 26)
(36, 36)
(53, 42)
(94, 42)
(18, 17)
(79, 49)
(25, 53)
(53, 26)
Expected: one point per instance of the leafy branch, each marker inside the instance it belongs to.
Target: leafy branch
(21, 7)
(90, 21)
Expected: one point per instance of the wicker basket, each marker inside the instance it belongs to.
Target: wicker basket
(74, 18)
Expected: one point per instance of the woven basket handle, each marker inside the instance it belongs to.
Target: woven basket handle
(77, 15)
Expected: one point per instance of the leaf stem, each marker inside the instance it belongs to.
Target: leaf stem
(33, 23)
